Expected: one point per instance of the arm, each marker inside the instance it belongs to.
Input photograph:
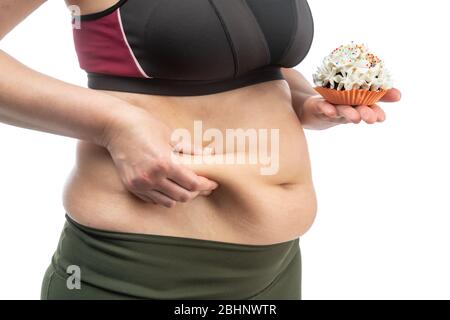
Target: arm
(139, 144)
(33, 100)
(314, 112)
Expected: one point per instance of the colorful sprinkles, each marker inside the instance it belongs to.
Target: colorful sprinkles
(352, 66)
(350, 54)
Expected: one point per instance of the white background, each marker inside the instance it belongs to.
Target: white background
(383, 224)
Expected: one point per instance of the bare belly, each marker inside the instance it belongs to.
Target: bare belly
(260, 200)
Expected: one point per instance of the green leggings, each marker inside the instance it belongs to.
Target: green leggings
(97, 264)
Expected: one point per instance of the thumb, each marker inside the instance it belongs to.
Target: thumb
(206, 184)
(392, 95)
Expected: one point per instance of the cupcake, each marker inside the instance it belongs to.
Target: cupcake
(352, 75)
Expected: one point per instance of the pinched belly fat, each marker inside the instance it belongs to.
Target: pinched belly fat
(261, 164)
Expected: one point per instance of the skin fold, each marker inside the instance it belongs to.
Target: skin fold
(130, 175)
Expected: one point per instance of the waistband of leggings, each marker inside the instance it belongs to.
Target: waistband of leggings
(174, 240)
(167, 267)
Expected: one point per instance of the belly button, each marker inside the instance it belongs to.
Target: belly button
(286, 185)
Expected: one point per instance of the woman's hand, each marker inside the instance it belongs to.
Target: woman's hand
(141, 149)
(318, 113)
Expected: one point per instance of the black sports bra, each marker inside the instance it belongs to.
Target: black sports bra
(192, 47)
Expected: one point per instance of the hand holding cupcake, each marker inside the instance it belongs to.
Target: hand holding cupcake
(350, 82)
(351, 75)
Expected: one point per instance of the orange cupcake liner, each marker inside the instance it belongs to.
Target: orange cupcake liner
(356, 97)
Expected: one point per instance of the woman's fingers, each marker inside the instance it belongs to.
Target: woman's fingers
(205, 193)
(206, 184)
(176, 192)
(189, 180)
(349, 113)
(367, 114)
(181, 185)
(144, 198)
(392, 95)
(160, 198)
(327, 109)
(159, 186)
(346, 113)
(167, 193)
(381, 115)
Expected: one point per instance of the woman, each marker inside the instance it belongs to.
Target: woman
(153, 216)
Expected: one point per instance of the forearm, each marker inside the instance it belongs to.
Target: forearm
(301, 91)
(300, 88)
(35, 101)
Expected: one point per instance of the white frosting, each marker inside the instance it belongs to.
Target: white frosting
(353, 67)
